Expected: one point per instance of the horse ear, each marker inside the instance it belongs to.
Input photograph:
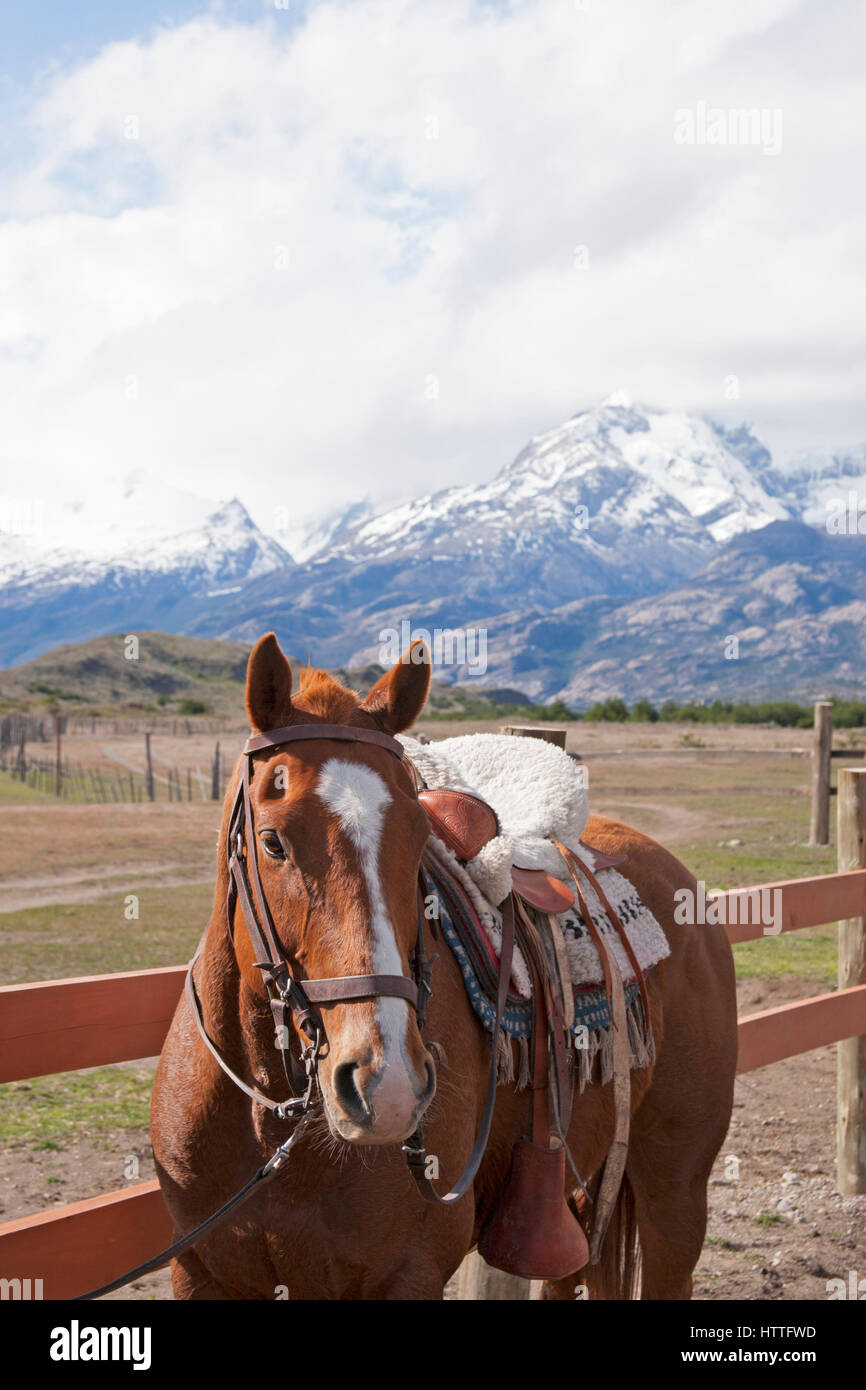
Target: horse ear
(269, 685)
(398, 697)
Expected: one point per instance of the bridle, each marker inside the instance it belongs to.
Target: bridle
(290, 997)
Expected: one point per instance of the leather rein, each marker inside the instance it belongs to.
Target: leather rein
(292, 998)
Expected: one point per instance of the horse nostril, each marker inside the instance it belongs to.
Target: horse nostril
(347, 1093)
(430, 1088)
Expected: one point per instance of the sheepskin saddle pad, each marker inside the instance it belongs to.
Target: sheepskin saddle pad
(537, 791)
(535, 788)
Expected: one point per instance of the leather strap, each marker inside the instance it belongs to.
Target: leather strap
(265, 1174)
(416, 1154)
(624, 937)
(346, 733)
(617, 1154)
(339, 989)
(252, 1091)
(551, 1072)
(573, 863)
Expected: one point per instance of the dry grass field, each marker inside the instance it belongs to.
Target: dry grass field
(731, 802)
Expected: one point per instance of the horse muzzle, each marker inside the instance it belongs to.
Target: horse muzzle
(372, 1102)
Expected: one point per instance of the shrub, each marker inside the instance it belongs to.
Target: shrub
(188, 706)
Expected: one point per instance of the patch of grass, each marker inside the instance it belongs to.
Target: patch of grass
(811, 953)
(769, 1218)
(13, 790)
(759, 860)
(53, 1111)
(95, 938)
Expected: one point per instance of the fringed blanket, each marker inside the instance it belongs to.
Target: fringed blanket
(590, 1032)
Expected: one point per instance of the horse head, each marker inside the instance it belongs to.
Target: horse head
(338, 841)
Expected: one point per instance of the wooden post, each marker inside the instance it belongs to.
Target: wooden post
(478, 1281)
(851, 1053)
(58, 766)
(556, 736)
(819, 830)
(148, 774)
(215, 774)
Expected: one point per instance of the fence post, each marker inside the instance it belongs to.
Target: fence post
(215, 774)
(58, 772)
(148, 772)
(556, 736)
(822, 748)
(478, 1281)
(851, 1053)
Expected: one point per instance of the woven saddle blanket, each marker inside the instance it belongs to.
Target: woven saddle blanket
(475, 946)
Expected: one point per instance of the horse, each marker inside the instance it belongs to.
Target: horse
(339, 837)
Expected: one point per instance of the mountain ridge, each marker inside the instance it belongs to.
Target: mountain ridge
(618, 513)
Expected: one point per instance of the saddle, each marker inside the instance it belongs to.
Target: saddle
(533, 1232)
(466, 824)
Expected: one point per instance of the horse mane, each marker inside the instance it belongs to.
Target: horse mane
(320, 694)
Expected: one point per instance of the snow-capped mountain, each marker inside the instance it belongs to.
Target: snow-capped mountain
(573, 543)
(608, 480)
(816, 485)
(152, 577)
(326, 532)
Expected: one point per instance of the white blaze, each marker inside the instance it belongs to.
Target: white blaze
(359, 798)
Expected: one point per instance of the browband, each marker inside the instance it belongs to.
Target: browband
(272, 737)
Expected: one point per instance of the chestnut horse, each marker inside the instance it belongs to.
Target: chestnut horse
(339, 838)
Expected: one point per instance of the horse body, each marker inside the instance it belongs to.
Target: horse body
(344, 1220)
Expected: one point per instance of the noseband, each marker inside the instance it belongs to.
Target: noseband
(289, 997)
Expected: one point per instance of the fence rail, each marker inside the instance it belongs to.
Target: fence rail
(66, 1024)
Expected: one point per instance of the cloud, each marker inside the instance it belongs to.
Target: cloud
(374, 250)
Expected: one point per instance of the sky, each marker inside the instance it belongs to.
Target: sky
(307, 253)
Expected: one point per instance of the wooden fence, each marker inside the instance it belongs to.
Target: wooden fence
(823, 757)
(71, 781)
(63, 1025)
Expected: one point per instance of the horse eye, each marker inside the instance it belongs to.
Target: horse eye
(271, 844)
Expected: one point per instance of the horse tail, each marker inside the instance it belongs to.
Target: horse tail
(617, 1274)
